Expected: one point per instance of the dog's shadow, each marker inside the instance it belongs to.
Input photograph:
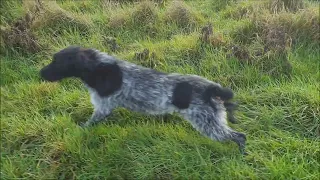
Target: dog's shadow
(123, 117)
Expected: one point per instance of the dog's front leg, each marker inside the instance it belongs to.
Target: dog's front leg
(96, 117)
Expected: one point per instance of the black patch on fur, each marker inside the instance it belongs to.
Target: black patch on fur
(182, 95)
(105, 78)
(225, 94)
(207, 95)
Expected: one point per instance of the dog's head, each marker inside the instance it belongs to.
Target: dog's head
(105, 77)
(70, 62)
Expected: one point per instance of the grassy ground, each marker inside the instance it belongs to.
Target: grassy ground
(267, 51)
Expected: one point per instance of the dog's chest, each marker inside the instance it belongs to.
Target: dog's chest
(97, 101)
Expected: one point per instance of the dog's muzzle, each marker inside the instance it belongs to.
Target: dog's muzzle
(47, 75)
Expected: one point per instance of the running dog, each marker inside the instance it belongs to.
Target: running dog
(115, 83)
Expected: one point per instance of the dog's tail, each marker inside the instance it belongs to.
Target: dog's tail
(224, 94)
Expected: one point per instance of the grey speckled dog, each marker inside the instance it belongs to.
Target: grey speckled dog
(115, 83)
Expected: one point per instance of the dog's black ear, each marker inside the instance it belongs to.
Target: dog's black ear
(105, 78)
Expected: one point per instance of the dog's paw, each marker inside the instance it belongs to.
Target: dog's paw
(84, 125)
(245, 153)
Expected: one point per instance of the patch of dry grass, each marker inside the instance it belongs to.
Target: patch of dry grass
(18, 39)
(119, 19)
(38, 14)
(267, 39)
(19, 35)
(50, 14)
(277, 30)
(147, 59)
(118, 2)
(244, 9)
(277, 6)
(270, 62)
(208, 36)
(181, 14)
(144, 13)
(282, 29)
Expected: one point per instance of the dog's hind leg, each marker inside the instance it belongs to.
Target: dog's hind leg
(240, 139)
(213, 125)
(231, 107)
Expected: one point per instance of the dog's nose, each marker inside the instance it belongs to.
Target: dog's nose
(44, 73)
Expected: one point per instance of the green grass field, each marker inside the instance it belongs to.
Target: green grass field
(267, 51)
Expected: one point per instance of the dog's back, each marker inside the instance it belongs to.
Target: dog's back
(151, 90)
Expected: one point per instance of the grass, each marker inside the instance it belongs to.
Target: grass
(267, 53)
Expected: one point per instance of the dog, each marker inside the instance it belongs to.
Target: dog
(116, 83)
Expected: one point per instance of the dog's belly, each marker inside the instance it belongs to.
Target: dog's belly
(151, 111)
(155, 106)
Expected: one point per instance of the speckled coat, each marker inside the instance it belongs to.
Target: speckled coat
(114, 83)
